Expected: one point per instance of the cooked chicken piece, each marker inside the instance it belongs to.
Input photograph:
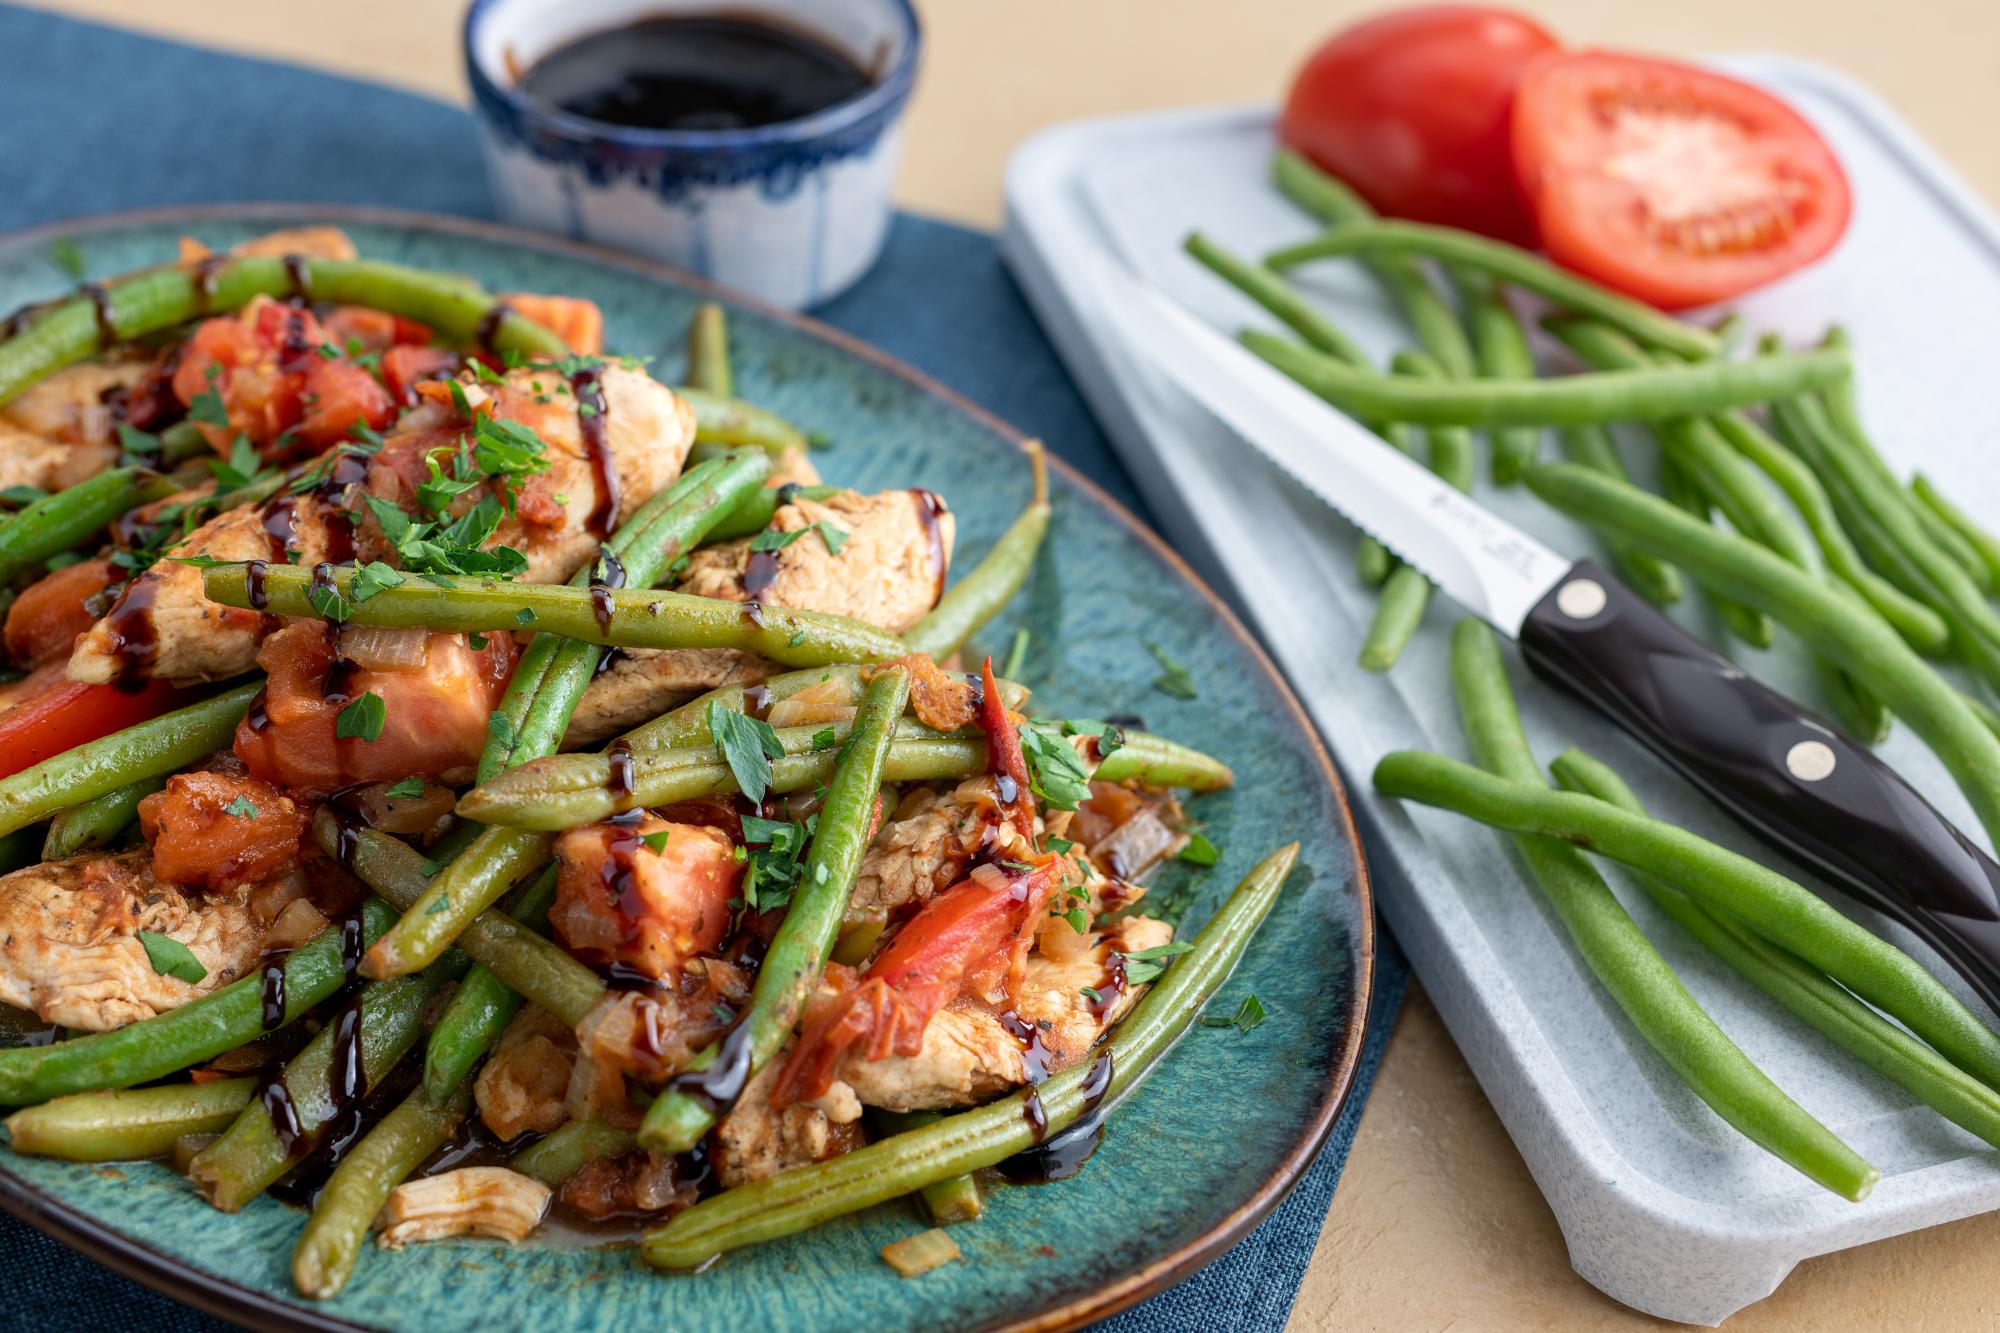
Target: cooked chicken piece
(70, 406)
(164, 626)
(1051, 994)
(28, 459)
(923, 849)
(649, 895)
(523, 1086)
(311, 242)
(890, 570)
(489, 1201)
(967, 1057)
(793, 467)
(755, 1140)
(643, 683)
(70, 949)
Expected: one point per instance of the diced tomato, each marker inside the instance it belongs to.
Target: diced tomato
(373, 330)
(217, 830)
(340, 395)
(434, 713)
(45, 619)
(404, 366)
(618, 900)
(576, 321)
(65, 714)
(267, 365)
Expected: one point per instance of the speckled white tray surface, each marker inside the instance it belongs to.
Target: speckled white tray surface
(1663, 1206)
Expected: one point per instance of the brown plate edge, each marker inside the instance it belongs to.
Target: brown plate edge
(229, 1300)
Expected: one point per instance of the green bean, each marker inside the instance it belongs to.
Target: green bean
(73, 515)
(1431, 317)
(159, 298)
(1861, 713)
(145, 749)
(555, 1159)
(1376, 240)
(1017, 653)
(1770, 904)
(1500, 348)
(1982, 543)
(126, 1125)
(1654, 579)
(328, 1247)
(1678, 484)
(535, 967)
(980, 595)
(250, 1155)
(482, 1007)
(98, 822)
(708, 352)
(627, 618)
(791, 1201)
(1948, 539)
(1371, 558)
(1618, 954)
(678, 1118)
(1834, 623)
(946, 1201)
(1697, 389)
(1451, 446)
(1922, 627)
(199, 1030)
(183, 441)
(1276, 295)
(754, 512)
(1809, 994)
(460, 893)
(737, 424)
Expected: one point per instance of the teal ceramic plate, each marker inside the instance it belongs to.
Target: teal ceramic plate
(1191, 1160)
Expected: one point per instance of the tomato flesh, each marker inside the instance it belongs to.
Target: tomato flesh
(1673, 184)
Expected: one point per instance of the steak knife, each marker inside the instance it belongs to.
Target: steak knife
(1782, 771)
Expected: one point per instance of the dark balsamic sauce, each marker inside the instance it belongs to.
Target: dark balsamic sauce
(1036, 1114)
(618, 875)
(1006, 787)
(277, 1099)
(608, 659)
(1109, 989)
(346, 1080)
(610, 576)
(17, 322)
(488, 328)
(254, 591)
(204, 273)
(100, 304)
(294, 348)
(135, 641)
(1062, 1156)
(760, 573)
(274, 989)
(1035, 1057)
(620, 784)
(722, 1082)
(929, 507)
(587, 385)
(753, 611)
(338, 686)
(299, 274)
(259, 717)
(696, 72)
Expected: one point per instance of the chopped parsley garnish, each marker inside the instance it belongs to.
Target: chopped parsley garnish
(371, 579)
(1078, 919)
(1248, 1015)
(1175, 679)
(525, 616)
(327, 602)
(773, 871)
(1110, 740)
(65, 255)
(135, 444)
(1142, 965)
(171, 958)
(1199, 851)
(22, 495)
(770, 539)
(407, 787)
(748, 745)
(1060, 846)
(1090, 993)
(656, 842)
(1055, 772)
(501, 729)
(241, 467)
(362, 718)
(825, 738)
(242, 807)
(206, 407)
(835, 538)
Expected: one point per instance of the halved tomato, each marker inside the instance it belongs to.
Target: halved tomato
(1677, 185)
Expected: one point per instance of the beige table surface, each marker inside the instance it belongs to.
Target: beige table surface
(1436, 1223)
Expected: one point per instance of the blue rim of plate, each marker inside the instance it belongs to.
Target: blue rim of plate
(253, 1309)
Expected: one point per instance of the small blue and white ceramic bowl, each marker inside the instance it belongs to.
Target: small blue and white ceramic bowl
(794, 212)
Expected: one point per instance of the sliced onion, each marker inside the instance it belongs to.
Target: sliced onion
(299, 922)
(379, 648)
(988, 875)
(830, 700)
(1138, 844)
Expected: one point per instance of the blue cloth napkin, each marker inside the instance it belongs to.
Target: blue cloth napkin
(98, 119)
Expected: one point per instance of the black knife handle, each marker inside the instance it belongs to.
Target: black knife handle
(1783, 772)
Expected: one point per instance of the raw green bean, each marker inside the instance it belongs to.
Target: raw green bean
(1948, 539)
(1372, 561)
(791, 1201)
(1861, 713)
(1653, 578)
(678, 1119)
(146, 749)
(250, 1156)
(328, 1247)
(1430, 315)
(754, 512)
(482, 1007)
(737, 424)
(946, 1201)
(627, 618)
(980, 595)
(1772, 905)
(199, 1030)
(1618, 954)
(1399, 609)
(1500, 348)
(1982, 543)
(73, 515)
(1678, 484)
(1451, 446)
(1806, 992)
(98, 822)
(126, 1125)
(562, 1154)
(708, 352)
(1696, 389)
(1276, 295)
(1832, 621)
(535, 967)
(1405, 240)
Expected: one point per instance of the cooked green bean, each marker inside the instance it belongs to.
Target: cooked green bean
(562, 1154)
(754, 512)
(482, 1007)
(1834, 622)
(1618, 954)
(737, 424)
(980, 595)
(459, 893)
(98, 822)
(1276, 295)
(328, 1247)
(1679, 485)
(1806, 992)
(946, 1201)
(1695, 389)
(199, 1030)
(250, 1155)
(1982, 542)
(73, 515)
(627, 618)
(1772, 905)
(183, 441)
(708, 352)
(678, 1118)
(1653, 578)
(1376, 240)
(541, 971)
(791, 1201)
(1500, 348)
(126, 1125)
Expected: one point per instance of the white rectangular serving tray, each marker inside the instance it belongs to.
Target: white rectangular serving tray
(1662, 1205)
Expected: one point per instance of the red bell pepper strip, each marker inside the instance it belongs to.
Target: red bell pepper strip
(66, 714)
(1004, 757)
